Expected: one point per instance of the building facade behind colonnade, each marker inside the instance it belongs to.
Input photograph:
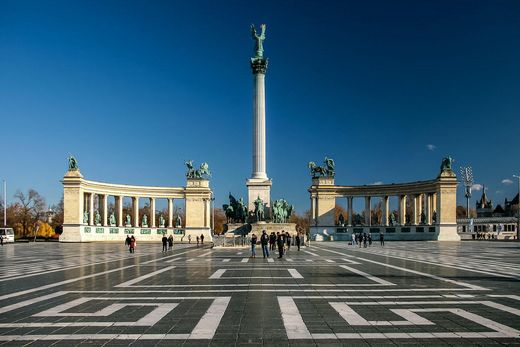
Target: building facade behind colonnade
(432, 217)
(83, 223)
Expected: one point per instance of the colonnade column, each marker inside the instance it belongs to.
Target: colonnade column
(105, 210)
(152, 212)
(402, 209)
(386, 207)
(427, 208)
(135, 205)
(367, 211)
(170, 213)
(419, 207)
(119, 209)
(434, 204)
(350, 209)
(91, 209)
(415, 219)
(313, 209)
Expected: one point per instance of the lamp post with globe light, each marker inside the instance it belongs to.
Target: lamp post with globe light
(467, 179)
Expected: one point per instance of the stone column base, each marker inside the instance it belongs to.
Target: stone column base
(258, 188)
(448, 232)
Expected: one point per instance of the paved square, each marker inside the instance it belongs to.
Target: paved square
(413, 293)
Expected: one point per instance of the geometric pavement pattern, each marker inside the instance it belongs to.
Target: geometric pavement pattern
(417, 293)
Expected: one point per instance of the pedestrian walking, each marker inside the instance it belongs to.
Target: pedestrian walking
(279, 243)
(264, 240)
(288, 240)
(189, 239)
(201, 239)
(382, 239)
(127, 241)
(133, 243)
(164, 243)
(353, 239)
(369, 239)
(364, 240)
(253, 246)
(298, 241)
(198, 241)
(170, 242)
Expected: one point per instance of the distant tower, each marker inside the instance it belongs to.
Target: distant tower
(259, 185)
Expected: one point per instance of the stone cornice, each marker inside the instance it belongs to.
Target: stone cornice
(410, 188)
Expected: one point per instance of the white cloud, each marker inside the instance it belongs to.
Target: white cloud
(499, 192)
(431, 147)
(507, 181)
(476, 186)
(378, 183)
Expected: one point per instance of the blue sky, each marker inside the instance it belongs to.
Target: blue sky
(134, 88)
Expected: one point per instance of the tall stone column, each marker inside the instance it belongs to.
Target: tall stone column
(119, 208)
(427, 207)
(152, 212)
(91, 209)
(105, 209)
(259, 185)
(415, 209)
(135, 205)
(386, 207)
(170, 213)
(402, 209)
(367, 211)
(350, 209)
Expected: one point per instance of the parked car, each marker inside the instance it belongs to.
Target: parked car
(7, 234)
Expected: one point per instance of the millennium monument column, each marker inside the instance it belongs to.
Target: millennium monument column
(259, 185)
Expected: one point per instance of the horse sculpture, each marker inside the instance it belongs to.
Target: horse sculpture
(197, 173)
(259, 209)
(446, 163)
(327, 170)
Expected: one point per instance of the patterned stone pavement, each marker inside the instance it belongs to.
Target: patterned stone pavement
(406, 293)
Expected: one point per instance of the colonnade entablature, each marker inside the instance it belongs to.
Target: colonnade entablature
(87, 216)
(425, 209)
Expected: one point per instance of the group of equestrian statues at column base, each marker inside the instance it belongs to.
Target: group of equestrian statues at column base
(236, 211)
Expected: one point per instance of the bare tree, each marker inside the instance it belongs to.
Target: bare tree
(32, 206)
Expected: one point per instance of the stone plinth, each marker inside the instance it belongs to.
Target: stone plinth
(258, 188)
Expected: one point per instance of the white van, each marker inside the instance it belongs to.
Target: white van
(7, 234)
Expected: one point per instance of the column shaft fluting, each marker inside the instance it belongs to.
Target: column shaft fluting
(259, 158)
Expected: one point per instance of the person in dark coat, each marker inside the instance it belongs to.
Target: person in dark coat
(164, 243)
(298, 241)
(382, 239)
(288, 240)
(201, 239)
(279, 243)
(170, 242)
(272, 241)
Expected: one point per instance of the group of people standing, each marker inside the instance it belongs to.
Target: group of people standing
(130, 243)
(167, 243)
(282, 240)
(200, 240)
(365, 239)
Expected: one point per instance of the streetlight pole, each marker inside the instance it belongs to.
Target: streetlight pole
(467, 179)
(518, 210)
(5, 204)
